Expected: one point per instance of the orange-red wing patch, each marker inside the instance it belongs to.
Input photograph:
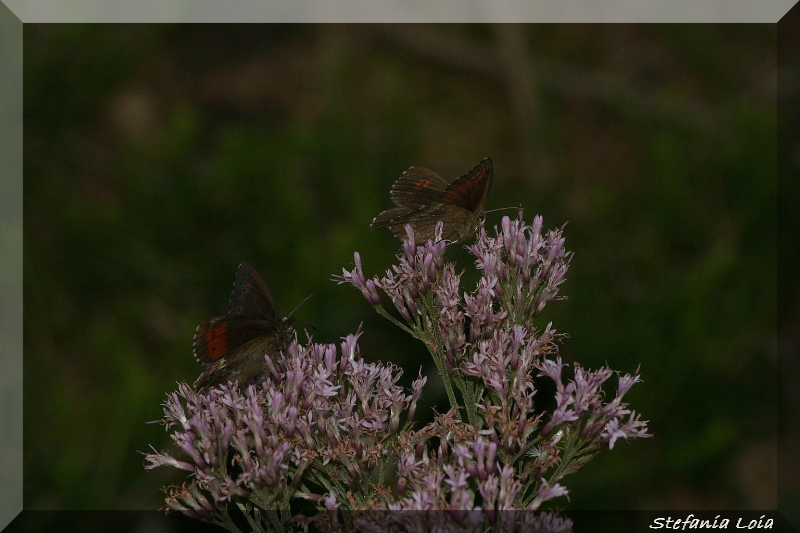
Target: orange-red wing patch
(218, 337)
(210, 341)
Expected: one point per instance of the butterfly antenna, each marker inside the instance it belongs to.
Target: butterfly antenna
(503, 209)
(300, 321)
(301, 303)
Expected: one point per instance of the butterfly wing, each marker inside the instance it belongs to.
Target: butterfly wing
(418, 187)
(391, 217)
(470, 190)
(423, 222)
(222, 336)
(251, 297)
(233, 349)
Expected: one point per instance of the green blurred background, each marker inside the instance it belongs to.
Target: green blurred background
(158, 157)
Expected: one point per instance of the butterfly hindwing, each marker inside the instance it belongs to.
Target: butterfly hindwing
(424, 224)
(392, 217)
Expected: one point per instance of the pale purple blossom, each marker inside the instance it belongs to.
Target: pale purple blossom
(328, 428)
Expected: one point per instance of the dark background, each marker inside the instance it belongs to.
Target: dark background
(158, 157)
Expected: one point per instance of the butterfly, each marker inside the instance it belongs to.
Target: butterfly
(232, 347)
(424, 198)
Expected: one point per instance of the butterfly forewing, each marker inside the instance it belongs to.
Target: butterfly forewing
(418, 187)
(252, 297)
(470, 190)
(221, 336)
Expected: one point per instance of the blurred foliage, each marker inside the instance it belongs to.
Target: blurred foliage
(158, 157)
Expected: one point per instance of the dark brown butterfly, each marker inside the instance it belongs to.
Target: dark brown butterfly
(424, 198)
(232, 347)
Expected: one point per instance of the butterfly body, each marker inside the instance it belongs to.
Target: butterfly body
(424, 198)
(232, 348)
